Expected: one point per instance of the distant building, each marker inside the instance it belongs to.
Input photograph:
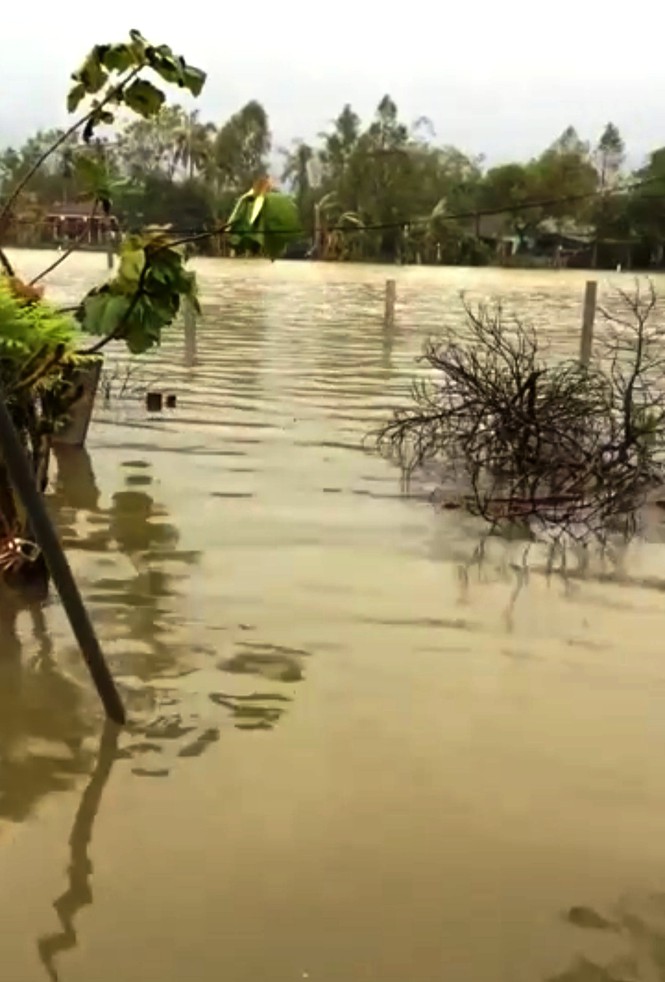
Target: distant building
(75, 222)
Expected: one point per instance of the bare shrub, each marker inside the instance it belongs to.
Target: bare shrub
(562, 445)
(125, 380)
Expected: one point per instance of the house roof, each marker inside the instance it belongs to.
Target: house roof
(73, 209)
(567, 229)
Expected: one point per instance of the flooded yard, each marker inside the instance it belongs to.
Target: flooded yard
(348, 760)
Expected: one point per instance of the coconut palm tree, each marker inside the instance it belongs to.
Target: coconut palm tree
(193, 143)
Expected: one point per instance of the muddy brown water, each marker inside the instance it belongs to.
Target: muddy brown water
(347, 760)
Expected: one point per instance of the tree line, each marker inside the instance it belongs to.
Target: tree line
(382, 190)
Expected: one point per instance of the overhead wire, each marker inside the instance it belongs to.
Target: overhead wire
(357, 226)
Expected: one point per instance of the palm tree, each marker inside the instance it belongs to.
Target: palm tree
(296, 169)
(193, 143)
(339, 232)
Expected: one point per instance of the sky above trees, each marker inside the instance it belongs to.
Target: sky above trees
(497, 79)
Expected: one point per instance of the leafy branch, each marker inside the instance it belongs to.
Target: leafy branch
(143, 297)
(146, 294)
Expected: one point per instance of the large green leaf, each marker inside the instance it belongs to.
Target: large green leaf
(74, 97)
(280, 223)
(104, 313)
(145, 294)
(239, 217)
(264, 222)
(132, 261)
(144, 98)
(119, 57)
(91, 75)
(162, 60)
(174, 69)
(257, 205)
(193, 79)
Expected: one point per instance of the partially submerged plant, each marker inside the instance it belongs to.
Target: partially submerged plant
(38, 360)
(559, 444)
(39, 365)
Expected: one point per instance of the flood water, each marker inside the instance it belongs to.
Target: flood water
(346, 761)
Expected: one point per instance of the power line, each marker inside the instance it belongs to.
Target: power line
(406, 223)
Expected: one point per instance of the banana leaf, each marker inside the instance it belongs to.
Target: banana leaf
(264, 222)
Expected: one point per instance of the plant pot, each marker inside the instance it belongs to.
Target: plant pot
(74, 432)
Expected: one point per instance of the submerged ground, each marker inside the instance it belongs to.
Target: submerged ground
(348, 758)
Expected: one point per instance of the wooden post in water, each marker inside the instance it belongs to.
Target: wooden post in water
(110, 249)
(317, 232)
(391, 295)
(190, 333)
(588, 318)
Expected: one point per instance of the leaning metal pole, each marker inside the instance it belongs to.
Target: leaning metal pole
(21, 477)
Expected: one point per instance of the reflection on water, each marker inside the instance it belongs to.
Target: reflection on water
(136, 605)
(139, 605)
(43, 717)
(269, 660)
(629, 942)
(75, 488)
(256, 711)
(79, 872)
(359, 747)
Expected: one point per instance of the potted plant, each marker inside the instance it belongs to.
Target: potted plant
(39, 361)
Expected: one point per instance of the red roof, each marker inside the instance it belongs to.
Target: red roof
(74, 209)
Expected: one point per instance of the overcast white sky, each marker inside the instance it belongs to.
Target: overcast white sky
(503, 78)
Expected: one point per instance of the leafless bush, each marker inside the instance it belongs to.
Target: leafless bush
(569, 448)
(124, 380)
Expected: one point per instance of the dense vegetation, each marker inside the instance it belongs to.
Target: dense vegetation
(384, 190)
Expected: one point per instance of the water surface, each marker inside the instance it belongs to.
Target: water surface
(350, 758)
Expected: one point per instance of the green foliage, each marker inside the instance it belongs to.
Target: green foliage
(38, 361)
(156, 200)
(94, 178)
(241, 148)
(28, 329)
(110, 73)
(609, 155)
(646, 207)
(265, 222)
(144, 296)
(167, 166)
(111, 76)
(144, 98)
